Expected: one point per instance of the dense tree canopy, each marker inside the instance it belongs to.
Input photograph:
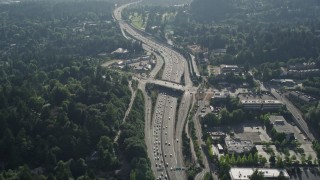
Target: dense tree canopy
(59, 110)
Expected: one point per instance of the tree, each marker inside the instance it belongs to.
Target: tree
(250, 159)
(239, 162)
(62, 171)
(272, 160)
(25, 173)
(279, 163)
(211, 119)
(263, 160)
(233, 159)
(207, 176)
(244, 160)
(257, 175)
(78, 168)
(303, 160)
(256, 158)
(133, 175)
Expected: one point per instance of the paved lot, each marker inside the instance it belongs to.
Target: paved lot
(309, 174)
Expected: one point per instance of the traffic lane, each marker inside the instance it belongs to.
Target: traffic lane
(148, 127)
(158, 114)
(166, 119)
(182, 117)
(171, 159)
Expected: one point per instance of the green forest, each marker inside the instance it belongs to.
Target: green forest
(59, 110)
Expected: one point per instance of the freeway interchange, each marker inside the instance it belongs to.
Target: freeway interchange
(164, 127)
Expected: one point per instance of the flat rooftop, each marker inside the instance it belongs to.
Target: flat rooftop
(257, 101)
(280, 124)
(245, 173)
(238, 146)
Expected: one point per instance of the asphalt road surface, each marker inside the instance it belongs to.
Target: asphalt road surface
(163, 133)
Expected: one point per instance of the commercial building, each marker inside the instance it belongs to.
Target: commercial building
(303, 73)
(245, 173)
(238, 146)
(225, 69)
(306, 69)
(283, 82)
(271, 105)
(301, 97)
(282, 126)
(303, 66)
(266, 105)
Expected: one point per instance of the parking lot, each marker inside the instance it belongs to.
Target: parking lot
(255, 131)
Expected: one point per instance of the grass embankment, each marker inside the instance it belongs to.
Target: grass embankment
(138, 21)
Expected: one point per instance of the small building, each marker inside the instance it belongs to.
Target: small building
(226, 69)
(238, 146)
(245, 173)
(282, 126)
(219, 52)
(217, 135)
(219, 95)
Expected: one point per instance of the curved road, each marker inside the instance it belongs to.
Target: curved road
(163, 132)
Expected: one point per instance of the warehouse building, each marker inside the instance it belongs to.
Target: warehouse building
(245, 173)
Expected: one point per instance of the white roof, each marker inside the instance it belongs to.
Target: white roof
(245, 173)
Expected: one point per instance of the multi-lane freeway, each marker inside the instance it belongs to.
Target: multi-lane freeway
(163, 129)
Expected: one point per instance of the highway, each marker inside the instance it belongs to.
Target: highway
(162, 130)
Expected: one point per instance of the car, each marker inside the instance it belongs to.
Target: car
(170, 155)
